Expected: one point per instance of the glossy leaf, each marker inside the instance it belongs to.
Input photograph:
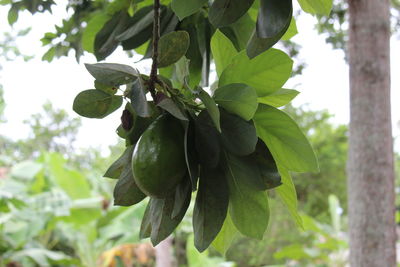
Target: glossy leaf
(139, 100)
(273, 17)
(105, 41)
(145, 226)
(169, 105)
(225, 12)
(93, 27)
(96, 104)
(226, 236)
(211, 207)
(204, 33)
(193, 52)
(223, 51)
(211, 107)
(238, 136)
(172, 47)
(287, 143)
(207, 140)
(279, 98)
(112, 74)
(258, 46)
(291, 31)
(181, 192)
(162, 225)
(321, 7)
(185, 8)
(144, 35)
(248, 207)
(237, 98)
(115, 170)
(287, 192)
(137, 27)
(266, 73)
(247, 168)
(266, 165)
(239, 32)
(126, 192)
(190, 153)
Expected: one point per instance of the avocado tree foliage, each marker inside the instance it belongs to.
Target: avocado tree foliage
(230, 147)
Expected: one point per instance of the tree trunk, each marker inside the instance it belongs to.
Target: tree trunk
(370, 166)
(164, 253)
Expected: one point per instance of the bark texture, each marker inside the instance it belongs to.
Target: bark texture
(370, 167)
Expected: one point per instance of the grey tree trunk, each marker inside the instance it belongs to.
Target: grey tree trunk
(164, 253)
(370, 166)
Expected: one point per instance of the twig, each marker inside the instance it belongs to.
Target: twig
(156, 37)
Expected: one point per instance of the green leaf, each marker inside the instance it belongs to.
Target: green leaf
(211, 207)
(226, 236)
(185, 8)
(105, 41)
(237, 98)
(172, 47)
(126, 192)
(96, 104)
(273, 17)
(321, 7)
(279, 98)
(140, 38)
(181, 192)
(111, 90)
(239, 32)
(138, 26)
(211, 107)
(291, 31)
(248, 207)
(223, 51)
(93, 27)
(207, 140)
(225, 12)
(266, 73)
(204, 34)
(190, 153)
(247, 167)
(169, 105)
(115, 170)
(287, 192)
(139, 100)
(273, 20)
(12, 16)
(287, 143)
(238, 136)
(145, 227)
(112, 74)
(266, 165)
(49, 55)
(162, 224)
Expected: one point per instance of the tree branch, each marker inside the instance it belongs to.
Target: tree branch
(156, 38)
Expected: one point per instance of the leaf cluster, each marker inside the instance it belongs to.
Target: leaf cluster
(237, 144)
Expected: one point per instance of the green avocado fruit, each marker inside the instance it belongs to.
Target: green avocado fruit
(158, 161)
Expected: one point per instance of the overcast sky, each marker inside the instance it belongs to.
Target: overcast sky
(28, 85)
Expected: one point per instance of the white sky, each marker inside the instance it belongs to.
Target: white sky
(27, 85)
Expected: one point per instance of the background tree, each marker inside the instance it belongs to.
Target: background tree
(370, 169)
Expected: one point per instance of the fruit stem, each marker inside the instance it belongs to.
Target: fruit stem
(156, 37)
